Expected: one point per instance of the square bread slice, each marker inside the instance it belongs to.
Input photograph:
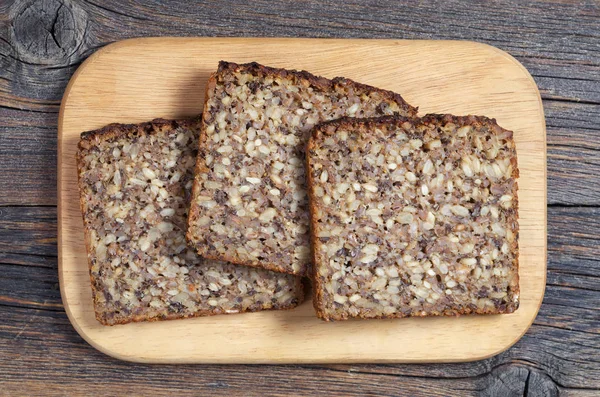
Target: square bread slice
(135, 182)
(413, 217)
(249, 201)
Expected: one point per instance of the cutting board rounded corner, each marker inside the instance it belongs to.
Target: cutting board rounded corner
(138, 79)
(518, 65)
(95, 342)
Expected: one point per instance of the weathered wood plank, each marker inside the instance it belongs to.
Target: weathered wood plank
(573, 241)
(28, 230)
(556, 41)
(28, 167)
(573, 144)
(9, 258)
(23, 287)
(65, 364)
(560, 352)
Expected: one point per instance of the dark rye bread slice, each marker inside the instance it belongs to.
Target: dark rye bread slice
(135, 182)
(249, 201)
(413, 217)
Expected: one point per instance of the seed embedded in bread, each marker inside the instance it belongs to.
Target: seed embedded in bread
(135, 183)
(413, 217)
(249, 200)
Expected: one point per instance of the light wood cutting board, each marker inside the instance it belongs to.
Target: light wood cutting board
(141, 79)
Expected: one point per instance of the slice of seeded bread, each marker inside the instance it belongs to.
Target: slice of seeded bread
(135, 183)
(413, 217)
(249, 201)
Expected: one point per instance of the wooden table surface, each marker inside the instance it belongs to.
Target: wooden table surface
(42, 42)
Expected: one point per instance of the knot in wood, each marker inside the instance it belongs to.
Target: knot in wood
(517, 380)
(47, 31)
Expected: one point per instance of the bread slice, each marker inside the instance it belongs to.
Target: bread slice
(249, 200)
(413, 217)
(135, 182)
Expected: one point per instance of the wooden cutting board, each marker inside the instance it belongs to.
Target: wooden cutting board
(141, 79)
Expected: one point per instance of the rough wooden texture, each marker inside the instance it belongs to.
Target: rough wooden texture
(557, 40)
